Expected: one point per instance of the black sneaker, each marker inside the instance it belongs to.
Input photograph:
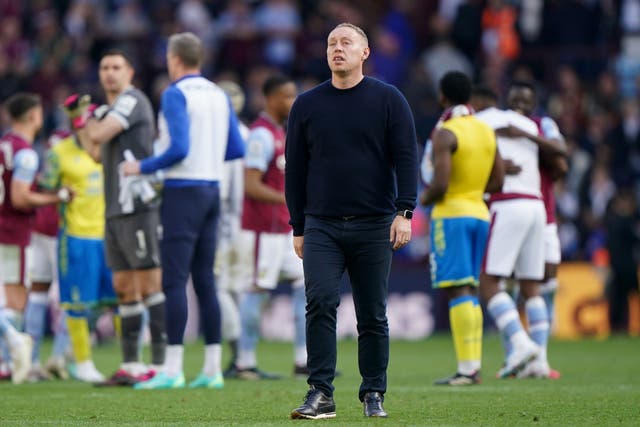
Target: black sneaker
(372, 404)
(459, 379)
(231, 371)
(256, 374)
(301, 372)
(317, 405)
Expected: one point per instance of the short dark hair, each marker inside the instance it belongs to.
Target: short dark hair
(484, 91)
(118, 52)
(355, 28)
(18, 105)
(188, 47)
(456, 87)
(274, 82)
(522, 84)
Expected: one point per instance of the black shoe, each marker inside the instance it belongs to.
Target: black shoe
(372, 403)
(316, 405)
(301, 372)
(231, 371)
(256, 374)
(459, 379)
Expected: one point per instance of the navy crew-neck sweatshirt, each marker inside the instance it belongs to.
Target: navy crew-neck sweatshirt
(350, 152)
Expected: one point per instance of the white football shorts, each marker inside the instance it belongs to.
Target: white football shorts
(42, 258)
(552, 252)
(13, 259)
(516, 239)
(267, 258)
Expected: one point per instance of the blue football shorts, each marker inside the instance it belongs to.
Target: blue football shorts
(85, 279)
(457, 249)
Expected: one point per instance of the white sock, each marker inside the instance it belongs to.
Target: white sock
(134, 368)
(212, 355)
(86, 366)
(300, 355)
(246, 359)
(173, 361)
(468, 367)
(13, 337)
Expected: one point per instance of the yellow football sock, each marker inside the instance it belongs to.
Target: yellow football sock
(79, 336)
(477, 353)
(463, 320)
(117, 325)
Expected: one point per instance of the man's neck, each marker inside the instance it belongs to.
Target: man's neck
(24, 131)
(272, 117)
(186, 72)
(111, 96)
(346, 81)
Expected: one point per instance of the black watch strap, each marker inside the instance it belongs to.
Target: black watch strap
(406, 213)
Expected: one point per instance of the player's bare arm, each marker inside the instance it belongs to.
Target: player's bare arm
(547, 146)
(498, 171)
(23, 198)
(92, 130)
(256, 189)
(98, 132)
(556, 166)
(444, 143)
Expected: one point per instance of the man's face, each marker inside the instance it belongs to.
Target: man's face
(284, 97)
(346, 50)
(37, 117)
(115, 73)
(171, 65)
(522, 100)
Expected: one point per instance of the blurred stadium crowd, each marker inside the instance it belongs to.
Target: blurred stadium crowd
(584, 56)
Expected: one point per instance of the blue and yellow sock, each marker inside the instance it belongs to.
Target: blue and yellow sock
(477, 353)
(78, 327)
(463, 320)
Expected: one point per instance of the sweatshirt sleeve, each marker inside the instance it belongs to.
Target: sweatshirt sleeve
(235, 143)
(174, 108)
(296, 166)
(404, 152)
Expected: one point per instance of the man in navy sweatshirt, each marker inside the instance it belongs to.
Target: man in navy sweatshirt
(350, 186)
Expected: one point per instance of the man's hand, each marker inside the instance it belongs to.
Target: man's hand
(400, 233)
(76, 107)
(298, 245)
(510, 168)
(65, 194)
(130, 168)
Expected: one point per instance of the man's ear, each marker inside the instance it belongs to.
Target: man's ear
(365, 53)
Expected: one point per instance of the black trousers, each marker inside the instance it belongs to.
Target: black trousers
(361, 247)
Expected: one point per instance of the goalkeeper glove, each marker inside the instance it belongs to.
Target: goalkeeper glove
(76, 107)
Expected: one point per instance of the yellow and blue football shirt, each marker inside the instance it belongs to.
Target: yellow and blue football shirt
(460, 220)
(68, 165)
(471, 165)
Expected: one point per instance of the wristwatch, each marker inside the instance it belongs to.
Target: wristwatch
(407, 214)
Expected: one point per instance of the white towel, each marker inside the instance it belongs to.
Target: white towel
(132, 187)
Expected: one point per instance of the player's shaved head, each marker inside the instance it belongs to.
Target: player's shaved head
(20, 104)
(455, 87)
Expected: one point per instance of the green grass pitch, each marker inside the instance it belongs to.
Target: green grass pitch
(600, 386)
